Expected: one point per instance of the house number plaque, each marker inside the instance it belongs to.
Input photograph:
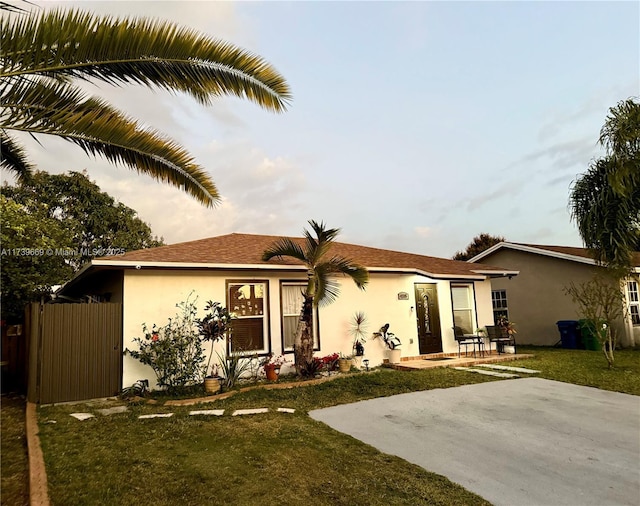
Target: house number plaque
(403, 296)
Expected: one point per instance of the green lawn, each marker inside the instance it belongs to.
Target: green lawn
(13, 453)
(588, 368)
(275, 457)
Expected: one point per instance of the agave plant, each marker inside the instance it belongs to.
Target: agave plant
(43, 54)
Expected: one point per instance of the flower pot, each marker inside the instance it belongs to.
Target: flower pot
(394, 356)
(344, 364)
(211, 385)
(272, 372)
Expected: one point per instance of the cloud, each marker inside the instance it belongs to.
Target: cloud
(423, 231)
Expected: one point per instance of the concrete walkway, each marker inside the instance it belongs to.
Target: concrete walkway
(519, 442)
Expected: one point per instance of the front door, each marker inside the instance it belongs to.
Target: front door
(428, 318)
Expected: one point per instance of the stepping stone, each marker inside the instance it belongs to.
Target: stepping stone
(208, 412)
(114, 410)
(82, 416)
(249, 411)
(508, 368)
(155, 415)
(487, 373)
(286, 410)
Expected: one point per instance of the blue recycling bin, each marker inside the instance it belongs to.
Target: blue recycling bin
(569, 333)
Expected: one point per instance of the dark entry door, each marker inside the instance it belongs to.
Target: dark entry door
(428, 318)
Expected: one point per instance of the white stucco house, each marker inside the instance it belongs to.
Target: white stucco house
(419, 296)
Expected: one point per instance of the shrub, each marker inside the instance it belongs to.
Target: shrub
(175, 351)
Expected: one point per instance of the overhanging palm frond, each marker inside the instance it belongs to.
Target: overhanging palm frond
(327, 288)
(319, 245)
(43, 107)
(608, 221)
(284, 247)
(13, 157)
(79, 44)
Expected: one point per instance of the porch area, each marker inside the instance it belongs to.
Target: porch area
(432, 360)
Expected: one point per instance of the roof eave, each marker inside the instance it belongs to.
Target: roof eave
(531, 249)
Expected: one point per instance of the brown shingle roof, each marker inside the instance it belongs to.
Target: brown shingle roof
(243, 249)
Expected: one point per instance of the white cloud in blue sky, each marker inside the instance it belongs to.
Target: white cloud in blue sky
(414, 126)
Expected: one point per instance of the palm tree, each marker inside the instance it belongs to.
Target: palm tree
(41, 55)
(322, 288)
(605, 201)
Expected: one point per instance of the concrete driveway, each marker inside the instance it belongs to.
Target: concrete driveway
(516, 442)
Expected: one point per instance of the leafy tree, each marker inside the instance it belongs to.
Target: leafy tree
(478, 245)
(51, 225)
(97, 223)
(42, 54)
(29, 268)
(605, 201)
(321, 288)
(601, 302)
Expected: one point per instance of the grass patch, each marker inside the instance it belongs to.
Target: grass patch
(288, 458)
(13, 448)
(584, 367)
(285, 458)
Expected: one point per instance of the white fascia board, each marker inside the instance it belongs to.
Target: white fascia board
(487, 252)
(190, 265)
(530, 249)
(497, 274)
(409, 270)
(480, 275)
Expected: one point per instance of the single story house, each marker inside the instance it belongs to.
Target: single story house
(535, 300)
(419, 296)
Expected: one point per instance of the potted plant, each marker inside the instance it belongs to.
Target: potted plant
(214, 327)
(357, 330)
(392, 342)
(272, 365)
(212, 381)
(344, 363)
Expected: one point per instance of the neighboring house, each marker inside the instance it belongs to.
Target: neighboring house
(419, 296)
(535, 300)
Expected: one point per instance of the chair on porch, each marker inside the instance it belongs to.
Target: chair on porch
(464, 340)
(501, 337)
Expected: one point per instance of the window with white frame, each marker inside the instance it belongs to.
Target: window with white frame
(248, 301)
(462, 302)
(292, 297)
(634, 302)
(499, 303)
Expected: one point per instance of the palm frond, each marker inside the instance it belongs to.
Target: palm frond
(284, 247)
(607, 220)
(13, 157)
(79, 44)
(39, 106)
(327, 288)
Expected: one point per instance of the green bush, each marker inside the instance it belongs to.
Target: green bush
(175, 351)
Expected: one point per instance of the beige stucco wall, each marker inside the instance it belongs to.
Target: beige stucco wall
(536, 297)
(150, 296)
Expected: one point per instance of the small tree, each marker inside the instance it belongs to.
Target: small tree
(601, 302)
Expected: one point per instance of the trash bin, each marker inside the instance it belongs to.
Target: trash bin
(568, 333)
(589, 335)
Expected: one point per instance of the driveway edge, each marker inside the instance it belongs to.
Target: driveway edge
(38, 495)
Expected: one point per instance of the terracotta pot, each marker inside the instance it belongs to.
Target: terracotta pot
(211, 385)
(272, 372)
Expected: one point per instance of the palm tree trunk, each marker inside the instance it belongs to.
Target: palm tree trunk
(304, 334)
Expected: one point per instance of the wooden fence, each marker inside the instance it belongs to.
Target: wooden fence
(75, 351)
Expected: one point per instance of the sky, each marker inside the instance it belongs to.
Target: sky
(414, 126)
